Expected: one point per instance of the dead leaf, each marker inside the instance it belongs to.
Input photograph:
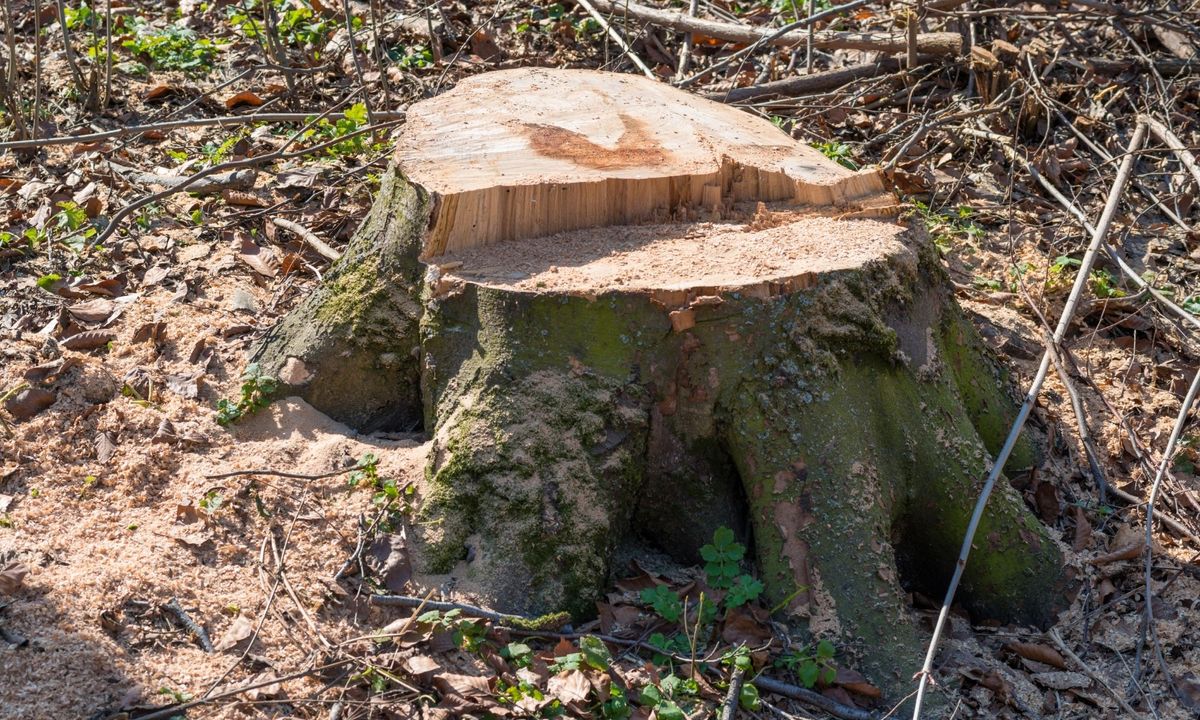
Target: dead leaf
(89, 340)
(1188, 686)
(158, 92)
(569, 686)
(485, 47)
(155, 331)
(742, 628)
(240, 629)
(5, 502)
(260, 259)
(1038, 653)
(184, 386)
(388, 559)
(243, 199)
(12, 577)
(105, 445)
(467, 686)
(421, 664)
(1128, 552)
(92, 311)
(1062, 680)
(1045, 497)
(29, 402)
(156, 275)
(856, 683)
(1082, 539)
(245, 97)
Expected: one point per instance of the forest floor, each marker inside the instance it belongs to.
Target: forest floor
(127, 546)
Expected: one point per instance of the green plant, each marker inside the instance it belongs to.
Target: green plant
(518, 654)
(739, 658)
(722, 558)
(416, 57)
(466, 634)
(257, 389)
(839, 152)
(366, 472)
(352, 119)
(173, 47)
(1103, 285)
(297, 25)
(744, 589)
(664, 601)
(810, 664)
(947, 228)
(210, 502)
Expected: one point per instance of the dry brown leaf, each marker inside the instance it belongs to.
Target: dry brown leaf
(240, 629)
(29, 402)
(260, 259)
(569, 686)
(421, 664)
(1039, 653)
(105, 446)
(245, 97)
(92, 311)
(244, 199)
(12, 577)
(742, 628)
(89, 340)
(1125, 553)
(158, 92)
(1082, 539)
(856, 683)
(468, 686)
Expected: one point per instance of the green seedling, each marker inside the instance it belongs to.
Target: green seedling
(722, 558)
(811, 665)
(257, 389)
(664, 601)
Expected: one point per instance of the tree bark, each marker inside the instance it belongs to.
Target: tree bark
(839, 416)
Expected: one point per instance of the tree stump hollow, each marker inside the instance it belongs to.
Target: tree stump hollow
(622, 311)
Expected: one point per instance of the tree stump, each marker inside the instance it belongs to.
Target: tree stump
(623, 311)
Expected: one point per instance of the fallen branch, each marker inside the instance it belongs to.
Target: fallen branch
(1130, 712)
(256, 161)
(733, 697)
(469, 610)
(308, 236)
(616, 37)
(1168, 67)
(803, 84)
(814, 699)
(235, 180)
(1064, 321)
(174, 125)
(937, 43)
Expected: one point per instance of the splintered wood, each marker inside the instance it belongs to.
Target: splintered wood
(527, 153)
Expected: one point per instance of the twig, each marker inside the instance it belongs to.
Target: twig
(280, 473)
(308, 236)
(616, 37)
(1081, 280)
(1092, 674)
(802, 84)
(814, 699)
(235, 180)
(939, 43)
(730, 707)
(189, 624)
(470, 610)
(280, 154)
(685, 52)
(177, 710)
(175, 124)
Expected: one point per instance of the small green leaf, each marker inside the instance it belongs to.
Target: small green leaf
(749, 699)
(826, 650)
(595, 652)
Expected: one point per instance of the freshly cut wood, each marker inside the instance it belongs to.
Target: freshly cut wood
(598, 149)
(936, 43)
(629, 316)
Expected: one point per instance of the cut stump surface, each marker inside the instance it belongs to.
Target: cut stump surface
(628, 314)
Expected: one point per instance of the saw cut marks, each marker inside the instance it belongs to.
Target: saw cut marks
(518, 154)
(784, 254)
